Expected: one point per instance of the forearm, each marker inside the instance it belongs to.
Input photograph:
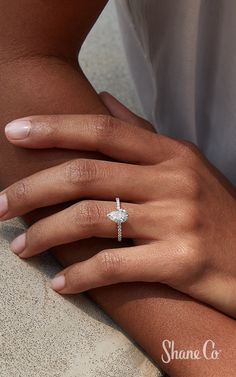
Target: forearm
(39, 44)
(44, 85)
(147, 312)
(48, 84)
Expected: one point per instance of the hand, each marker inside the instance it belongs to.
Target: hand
(182, 211)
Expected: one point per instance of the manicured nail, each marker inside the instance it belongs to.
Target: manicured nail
(3, 204)
(18, 245)
(58, 283)
(18, 129)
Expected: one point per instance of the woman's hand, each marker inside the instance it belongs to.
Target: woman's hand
(182, 212)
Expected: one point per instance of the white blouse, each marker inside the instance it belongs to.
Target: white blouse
(182, 56)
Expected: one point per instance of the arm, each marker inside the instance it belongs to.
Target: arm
(46, 80)
(39, 73)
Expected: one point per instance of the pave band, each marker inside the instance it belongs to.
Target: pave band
(119, 216)
(119, 227)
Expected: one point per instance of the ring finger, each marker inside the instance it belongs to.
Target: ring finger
(85, 220)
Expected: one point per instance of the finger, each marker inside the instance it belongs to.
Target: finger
(98, 133)
(81, 178)
(85, 220)
(149, 263)
(118, 110)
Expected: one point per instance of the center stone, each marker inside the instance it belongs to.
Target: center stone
(118, 216)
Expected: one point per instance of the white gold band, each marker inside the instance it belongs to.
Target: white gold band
(119, 216)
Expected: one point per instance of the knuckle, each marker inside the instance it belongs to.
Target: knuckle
(108, 127)
(87, 213)
(110, 264)
(191, 183)
(188, 148)
(81, 170)
(194, 184)
(21, 190)
(191, 219)
(192, 256)
(104, 127)
(190, 261)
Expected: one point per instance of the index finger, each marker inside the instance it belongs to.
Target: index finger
(99, 133)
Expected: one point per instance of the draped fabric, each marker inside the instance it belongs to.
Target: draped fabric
(182, 55)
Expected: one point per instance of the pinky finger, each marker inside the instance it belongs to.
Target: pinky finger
(138, 263)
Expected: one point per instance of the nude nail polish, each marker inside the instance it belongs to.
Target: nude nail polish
(18, 245)
(3, 204)
(58, 283)
(18, 129)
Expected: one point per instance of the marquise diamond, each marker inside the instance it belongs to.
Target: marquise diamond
(118, 216)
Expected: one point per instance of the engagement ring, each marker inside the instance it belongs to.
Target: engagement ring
(119, 216)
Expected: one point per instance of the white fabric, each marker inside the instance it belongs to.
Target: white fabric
(182, 55)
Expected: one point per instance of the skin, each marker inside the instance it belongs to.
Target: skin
(168, 188)
(39, 75)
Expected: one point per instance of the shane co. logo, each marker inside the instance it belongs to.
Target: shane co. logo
(207, 352)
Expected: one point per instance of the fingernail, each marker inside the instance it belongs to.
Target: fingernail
(18, 245)
(3, 205)
(18, 129)
(58, 283)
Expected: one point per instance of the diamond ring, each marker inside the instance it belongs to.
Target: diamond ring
(119, 216)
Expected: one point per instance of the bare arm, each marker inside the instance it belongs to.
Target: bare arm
(39, 41)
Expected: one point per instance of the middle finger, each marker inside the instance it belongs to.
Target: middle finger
(78, 179)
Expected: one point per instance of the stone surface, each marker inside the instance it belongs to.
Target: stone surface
(45, 334)
(104, 61)
(41, 332)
